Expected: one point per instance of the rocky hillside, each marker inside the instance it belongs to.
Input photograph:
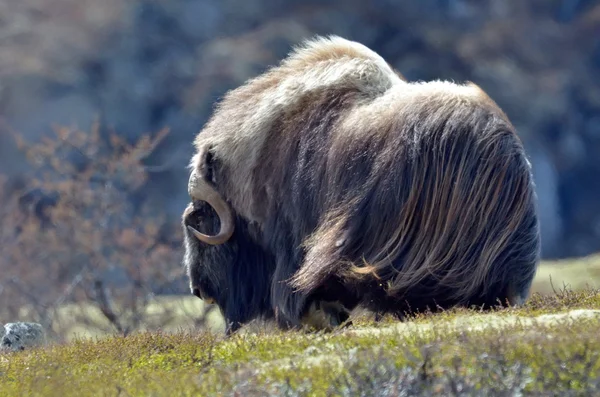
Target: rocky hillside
(147, 64)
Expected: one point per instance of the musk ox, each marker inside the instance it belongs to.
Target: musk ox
(330, 182)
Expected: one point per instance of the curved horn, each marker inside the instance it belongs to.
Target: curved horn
(199, 189)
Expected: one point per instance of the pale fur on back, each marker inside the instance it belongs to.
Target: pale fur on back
(238, 129)
(241, 122)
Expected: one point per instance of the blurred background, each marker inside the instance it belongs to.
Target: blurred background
(100, 102)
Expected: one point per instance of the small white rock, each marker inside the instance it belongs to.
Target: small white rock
(18, 336)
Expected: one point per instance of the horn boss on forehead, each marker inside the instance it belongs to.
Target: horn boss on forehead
(201, 189)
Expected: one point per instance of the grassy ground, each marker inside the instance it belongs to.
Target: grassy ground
(549, 347)
(576, 273)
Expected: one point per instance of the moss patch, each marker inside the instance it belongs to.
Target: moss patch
(549, 346)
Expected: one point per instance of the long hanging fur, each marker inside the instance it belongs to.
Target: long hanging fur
(369, 189)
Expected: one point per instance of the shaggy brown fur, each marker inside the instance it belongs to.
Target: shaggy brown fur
(368, 189)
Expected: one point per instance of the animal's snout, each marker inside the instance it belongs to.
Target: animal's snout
(198, 292)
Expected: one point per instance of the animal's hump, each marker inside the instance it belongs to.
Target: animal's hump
(330, 48)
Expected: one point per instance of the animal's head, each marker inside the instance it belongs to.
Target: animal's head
(224, 263)
(208, 225)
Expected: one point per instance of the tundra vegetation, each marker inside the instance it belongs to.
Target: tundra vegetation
(75, 253)
(548, 347)
(166, 345)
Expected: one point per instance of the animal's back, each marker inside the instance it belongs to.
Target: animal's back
(256, 124)
(437, 200)
(425, 185)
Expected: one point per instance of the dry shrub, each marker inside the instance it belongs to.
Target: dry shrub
(71, 232)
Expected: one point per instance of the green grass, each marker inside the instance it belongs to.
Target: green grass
(578, 273)
(551, 346)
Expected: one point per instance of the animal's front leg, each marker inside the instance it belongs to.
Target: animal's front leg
(287, 304)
